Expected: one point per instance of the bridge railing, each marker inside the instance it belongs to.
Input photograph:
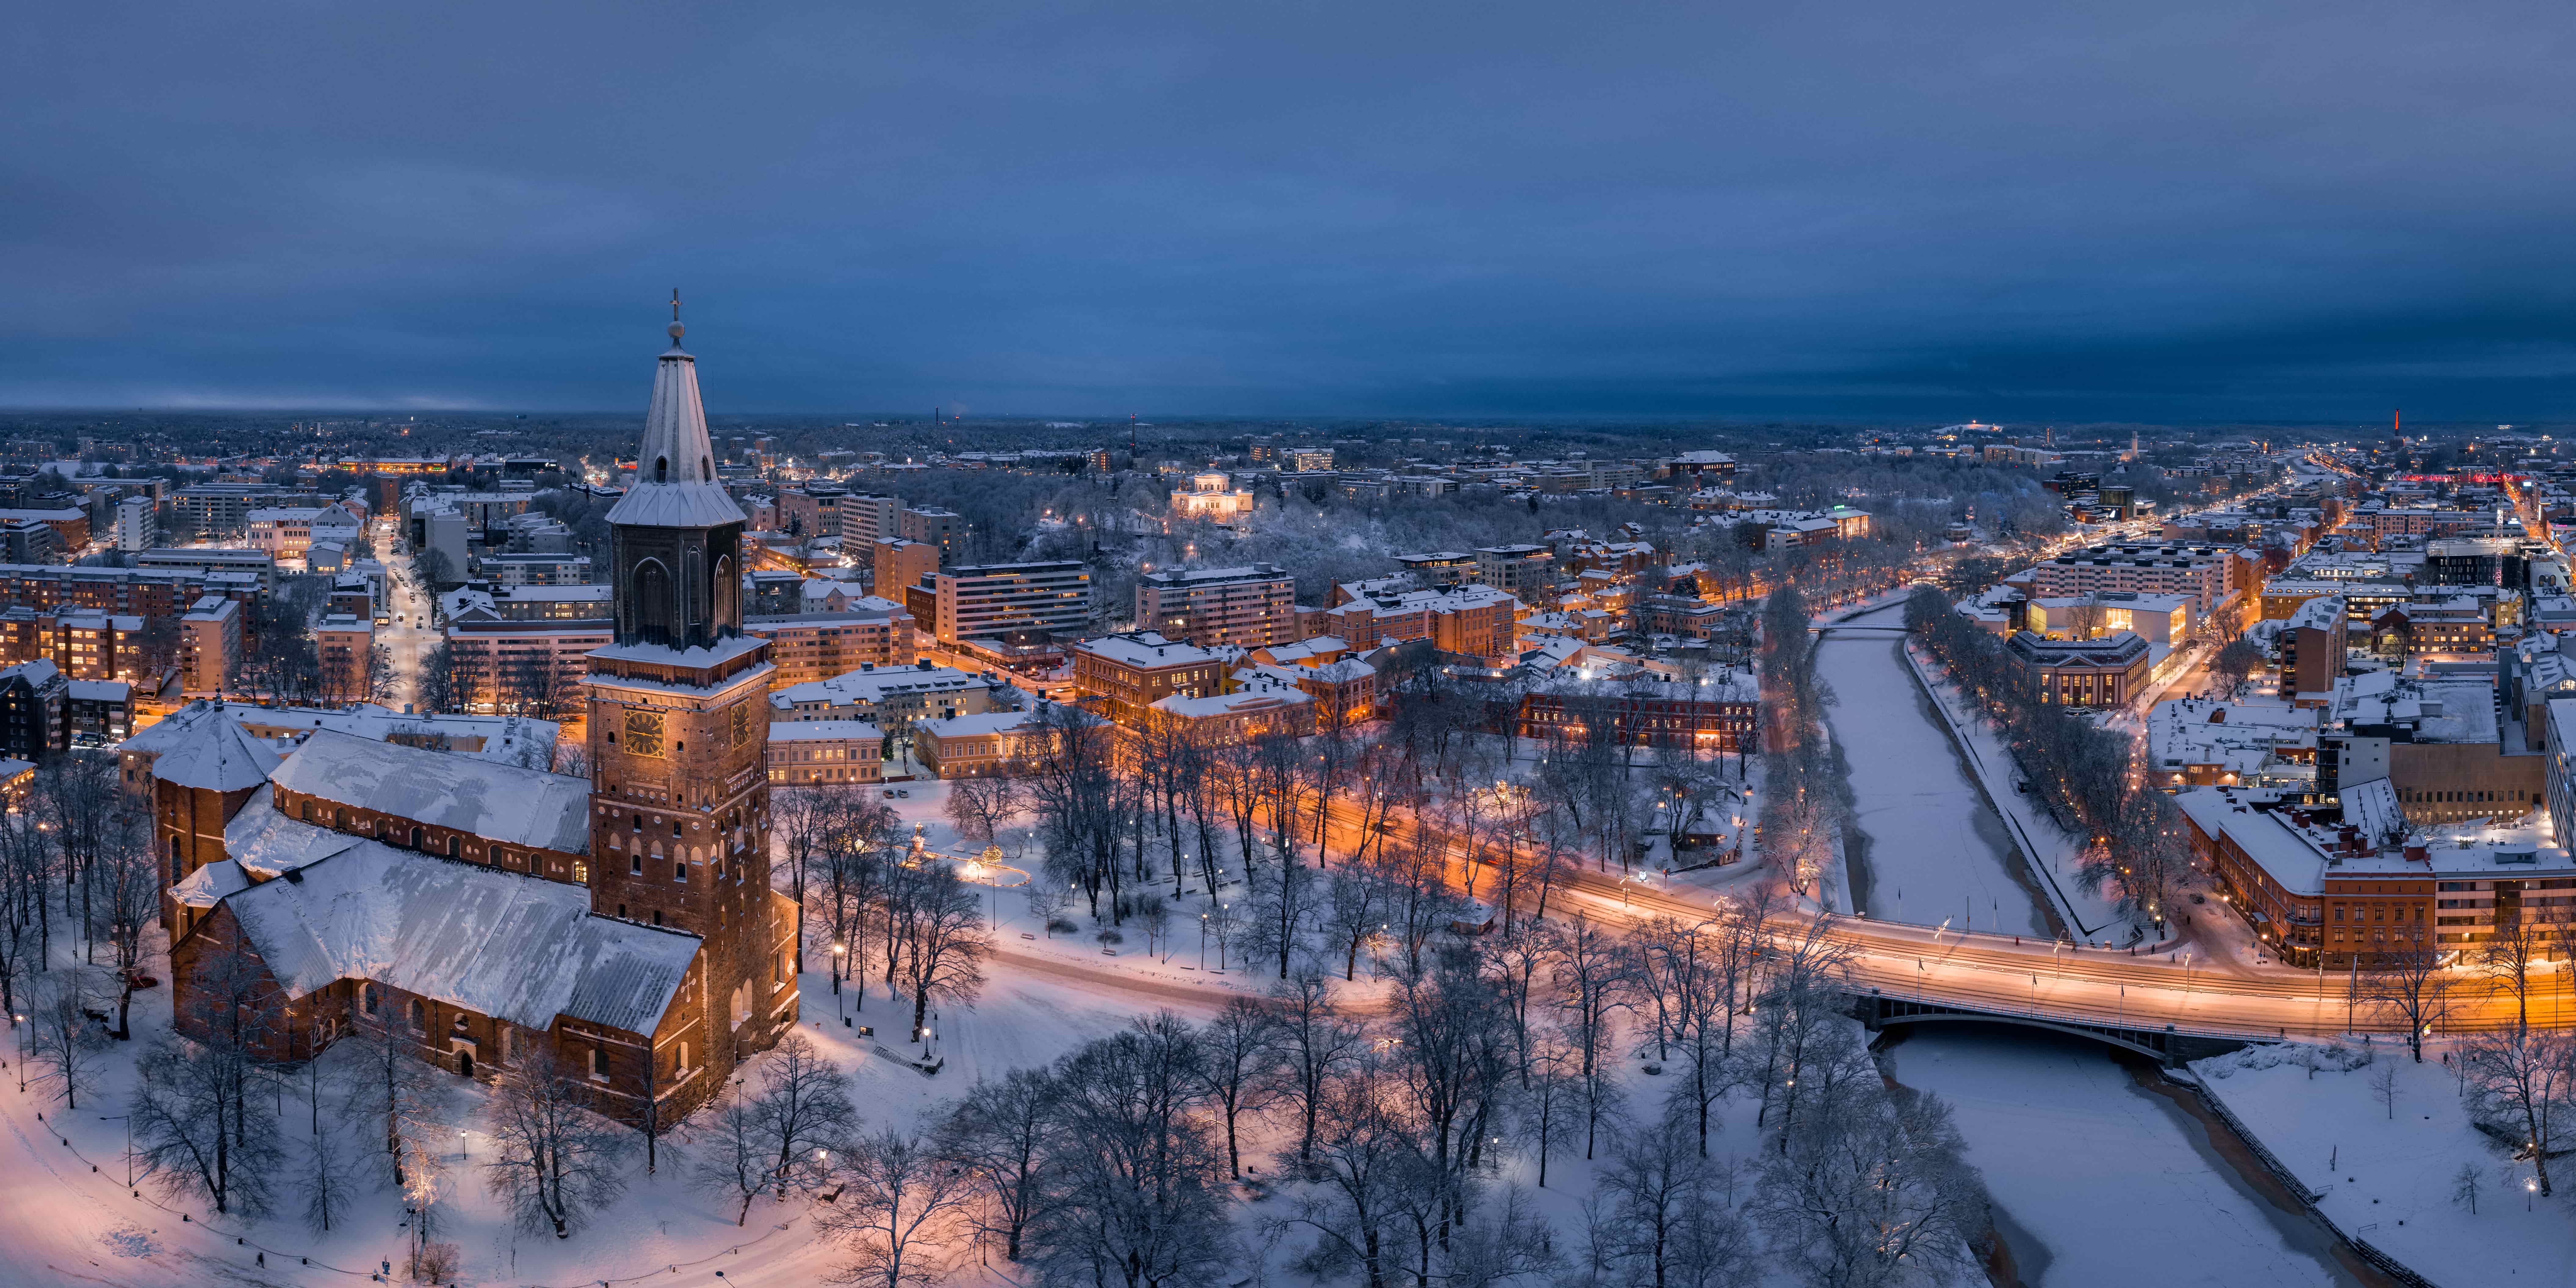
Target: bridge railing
(2076, 1018)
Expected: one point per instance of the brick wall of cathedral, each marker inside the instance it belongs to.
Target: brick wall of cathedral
(680, 838)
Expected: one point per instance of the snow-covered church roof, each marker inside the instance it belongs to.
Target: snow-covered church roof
(504, 803)
(675, 468)
(504, 944)
(204, 746)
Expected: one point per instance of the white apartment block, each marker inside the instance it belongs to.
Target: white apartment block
(2197, 571)
(976, 600)
(138, 525)
(1253, 606)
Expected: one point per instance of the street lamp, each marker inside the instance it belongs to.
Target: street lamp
(838, 952)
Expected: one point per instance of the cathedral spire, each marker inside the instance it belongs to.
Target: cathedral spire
(675, 470)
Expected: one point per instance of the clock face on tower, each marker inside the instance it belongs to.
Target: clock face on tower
(643, 733)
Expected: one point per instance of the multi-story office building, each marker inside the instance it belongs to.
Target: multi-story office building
(1253, 606)
(259, 562)
(987, 599)
(1472, 621)
(803, 753)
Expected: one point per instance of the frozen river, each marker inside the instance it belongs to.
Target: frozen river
(1932, 852)
(2098, 1179)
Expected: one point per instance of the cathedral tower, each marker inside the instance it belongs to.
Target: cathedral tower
(678, 712)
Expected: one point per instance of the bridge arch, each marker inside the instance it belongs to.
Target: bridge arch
(2161, 1044)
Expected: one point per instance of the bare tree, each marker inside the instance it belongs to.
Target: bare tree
(802, 1113)
(899, 1196)
(1552, 1099)
(944, 942)
(2411, 987)
(980, 806)
(734, 1160)
(1591, 987)
(557, 1162)
(1674, 1228)
(1141, 1180)
(198, 1131)
(63, 1043)
(2383, 1087)
(2507, 957)
(1866, 1188)
(1002, 1132)
(1365, 1161)
(2522, 1081)
(1238, 1052)
(1316, 1041)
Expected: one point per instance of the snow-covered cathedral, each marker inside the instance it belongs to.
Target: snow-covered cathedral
(479, 911)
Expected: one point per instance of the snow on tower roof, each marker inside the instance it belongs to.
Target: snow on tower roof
(504, 944)
(675, 468)
(500, 802)
(204, 746)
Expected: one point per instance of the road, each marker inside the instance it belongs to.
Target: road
(409, 638)
(2201, 993)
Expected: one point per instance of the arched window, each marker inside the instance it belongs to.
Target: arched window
(308, 811)
(417, 837)
(367, 998)
(727, 588)
(661, 469)
(455, 845)
(656, 607)
(418, 1015)
(581, 874)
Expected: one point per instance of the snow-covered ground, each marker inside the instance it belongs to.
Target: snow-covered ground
(2117, 1184)
(2391, 1180)
(1936, 853)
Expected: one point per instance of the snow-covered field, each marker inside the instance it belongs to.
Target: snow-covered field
(2117, 1184)
(1936, 853)
(2392, 1180)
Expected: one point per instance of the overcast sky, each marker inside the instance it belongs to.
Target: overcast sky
(2028, 212)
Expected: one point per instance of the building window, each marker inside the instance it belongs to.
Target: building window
(418, 1016)
(599, 1063)
(367, 998)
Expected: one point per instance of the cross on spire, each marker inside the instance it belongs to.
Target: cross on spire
(675, 304)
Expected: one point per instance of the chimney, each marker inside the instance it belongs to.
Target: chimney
(2418, 854)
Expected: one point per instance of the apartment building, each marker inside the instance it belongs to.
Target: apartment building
(987, 599)
(868, 516)
(1472, 621)
(1523, 572)
(2198, 571)
(86, 645)
(536, 569)
(530, 668)
(833, 753)
(1434, 569)
(345, 646)
(2314, 650)
(210, 646)
(1132, 672)
(943, 529)
(898, 562)
(137, 524)
(1252, 606)
(817, 646)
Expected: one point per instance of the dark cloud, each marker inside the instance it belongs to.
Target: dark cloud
(2301, 211)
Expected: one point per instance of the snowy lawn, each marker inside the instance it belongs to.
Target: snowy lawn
(2391, 1180)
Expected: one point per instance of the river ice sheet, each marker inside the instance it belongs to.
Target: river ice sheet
(2100, 1171)
(1936, 853)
